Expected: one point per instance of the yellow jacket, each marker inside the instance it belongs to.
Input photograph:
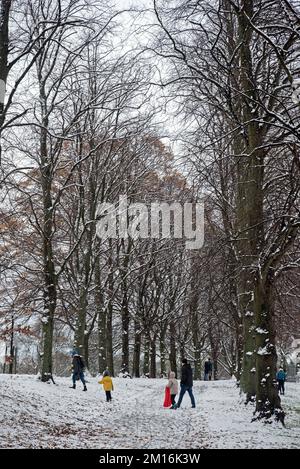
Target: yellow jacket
(107, 383)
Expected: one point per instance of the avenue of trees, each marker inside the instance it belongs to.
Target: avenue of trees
(173, 101)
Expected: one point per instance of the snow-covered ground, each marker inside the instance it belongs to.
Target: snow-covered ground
(37, 415)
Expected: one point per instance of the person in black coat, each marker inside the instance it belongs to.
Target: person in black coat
(78, 370)
(186, 384)
(207, 370)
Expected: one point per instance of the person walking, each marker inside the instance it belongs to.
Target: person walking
(186, 384)
(208, 370)
(78, 367)
(108, 386)
(280, 378)
(173, 387)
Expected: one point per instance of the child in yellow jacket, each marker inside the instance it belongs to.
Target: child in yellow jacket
(107, 385)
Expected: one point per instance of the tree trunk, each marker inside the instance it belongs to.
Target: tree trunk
(197, 348)
(153, 358)
(101, 315)
(80, 326)
(163, 352)
(245, 280)
(267, 397)
(172, 356)
(4, 51)
(125, 333)
(250, 197)
(125, 305)
(50, 280)
(50, 297)
(109, 317)
(197, 363)
(214, 351)
(182, 351)
(47, 340)
(247, 381)
(12, 347)
(86, 350)
(137, 350)
(215, 366)
(237, 369)
(109, 340)
(146, 365)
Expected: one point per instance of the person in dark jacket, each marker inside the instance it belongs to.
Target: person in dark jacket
(207, 370)
(186, 384)
(78, 370)
(281, 377)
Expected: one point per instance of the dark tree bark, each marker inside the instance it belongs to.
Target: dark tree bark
(137, 350)
(153, 357)
(4, 51)
(125, 333)
(50, 279)
(267, 396)
(173, 352)
(101, 322)
(163, 350)
(146, 365)
(109, 315)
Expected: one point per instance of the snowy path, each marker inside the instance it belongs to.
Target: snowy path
(37, 415)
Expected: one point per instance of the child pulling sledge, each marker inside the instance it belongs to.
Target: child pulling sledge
(171, 391)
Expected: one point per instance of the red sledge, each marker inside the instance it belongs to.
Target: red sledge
(167, 401)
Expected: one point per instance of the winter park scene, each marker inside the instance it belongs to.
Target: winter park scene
(150, 224)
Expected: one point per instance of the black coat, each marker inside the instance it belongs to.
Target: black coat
(187, 376)
(208, 367)
(78, 364)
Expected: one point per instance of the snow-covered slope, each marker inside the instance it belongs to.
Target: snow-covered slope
(37, 415)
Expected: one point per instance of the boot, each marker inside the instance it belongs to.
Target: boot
(73, 387)
(84, 389)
